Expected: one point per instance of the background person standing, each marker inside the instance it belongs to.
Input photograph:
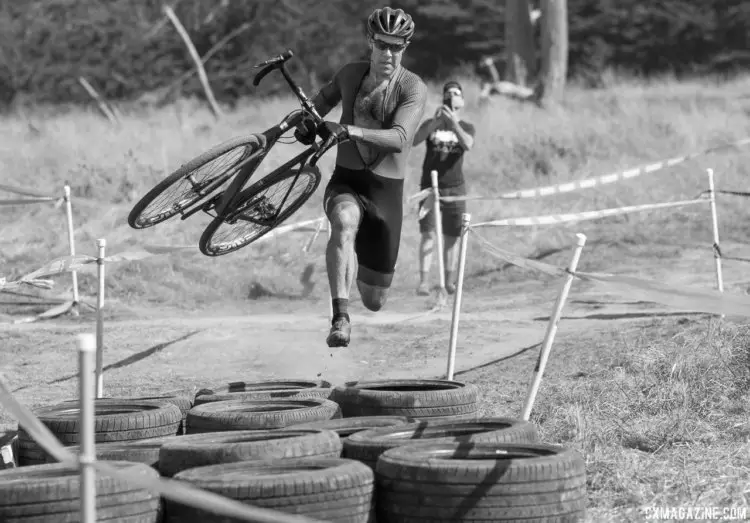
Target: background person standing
(447, 137)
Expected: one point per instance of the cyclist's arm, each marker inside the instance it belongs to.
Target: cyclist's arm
(328, 97)
(404, 127)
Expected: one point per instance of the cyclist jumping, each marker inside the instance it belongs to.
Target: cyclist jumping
(382, 106)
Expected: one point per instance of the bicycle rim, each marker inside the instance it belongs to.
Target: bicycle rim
(191, 182)
(222, 237)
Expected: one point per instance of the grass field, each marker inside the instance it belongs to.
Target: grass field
(657, 406)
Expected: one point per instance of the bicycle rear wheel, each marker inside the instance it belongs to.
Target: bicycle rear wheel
(192, 181)
(266, 204)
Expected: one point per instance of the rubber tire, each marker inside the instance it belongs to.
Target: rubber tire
(50, 493)
(199, 450)
(184, 403)
(144, 451)
(455, 482)
(142, 419)
(183, 171)
(336, 490)
(265, 390)
(251, 192)
(345, 427)
(258, 415)
(418, 399)
(290, 394)
(367, 446)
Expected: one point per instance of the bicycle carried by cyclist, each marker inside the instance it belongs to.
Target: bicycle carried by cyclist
(214, 182)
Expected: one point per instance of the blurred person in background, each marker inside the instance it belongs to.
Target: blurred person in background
(447, 138)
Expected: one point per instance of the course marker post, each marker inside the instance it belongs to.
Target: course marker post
(715, 226)
(552, 328)
(101, 243)
(71, 243)
(465, 221)
(86, 347)
(438, 231)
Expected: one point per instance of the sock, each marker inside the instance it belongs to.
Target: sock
(450, 278)
(340, 307)
(424, 276)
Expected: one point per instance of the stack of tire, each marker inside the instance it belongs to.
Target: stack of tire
(391, 451)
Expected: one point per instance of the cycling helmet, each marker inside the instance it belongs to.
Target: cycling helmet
(391, 22)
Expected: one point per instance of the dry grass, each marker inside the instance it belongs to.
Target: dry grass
(659, 411)
(517, 146)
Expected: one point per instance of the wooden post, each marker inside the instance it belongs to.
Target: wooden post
(520, 62)
(196, 58)
(551, 86)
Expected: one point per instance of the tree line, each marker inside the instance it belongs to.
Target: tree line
(127, 50)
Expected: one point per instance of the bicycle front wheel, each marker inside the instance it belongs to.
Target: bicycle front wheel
(266, 204)
(192, 181)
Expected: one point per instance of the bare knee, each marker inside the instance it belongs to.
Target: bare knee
(344, 222)
(373, 297)
(428, 237)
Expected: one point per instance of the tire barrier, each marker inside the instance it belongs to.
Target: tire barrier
(418, 399)
(198, 450)
(367, 446)
(334, 489)
(265, 390)
(456, 482)
(114, 420)
(50, 492)
(258, 415)
(345, 427)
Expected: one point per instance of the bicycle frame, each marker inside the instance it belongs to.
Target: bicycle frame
(225, 202)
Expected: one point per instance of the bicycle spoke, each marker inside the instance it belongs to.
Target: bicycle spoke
(200, 183)
(262, 212)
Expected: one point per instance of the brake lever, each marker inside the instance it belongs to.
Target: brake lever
(322, 149)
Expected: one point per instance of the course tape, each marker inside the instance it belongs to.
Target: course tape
(27, 201)
(586, 215)
(25, 192)
(588, 182)
(176, 490)
(684, 298)
(79, 261)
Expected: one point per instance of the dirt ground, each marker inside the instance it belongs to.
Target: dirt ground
(162, 350)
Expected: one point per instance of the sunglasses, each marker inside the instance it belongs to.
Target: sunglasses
(453, 92)
(394, 48)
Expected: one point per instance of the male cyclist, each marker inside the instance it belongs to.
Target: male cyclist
(448, 137)
(382, 105)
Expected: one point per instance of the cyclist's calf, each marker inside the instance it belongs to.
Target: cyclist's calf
(373, 297)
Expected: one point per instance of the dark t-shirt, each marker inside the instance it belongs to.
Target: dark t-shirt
(445, 155)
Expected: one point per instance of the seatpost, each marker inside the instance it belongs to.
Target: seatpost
(300, 93)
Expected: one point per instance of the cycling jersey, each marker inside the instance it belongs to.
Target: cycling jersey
(404, 103)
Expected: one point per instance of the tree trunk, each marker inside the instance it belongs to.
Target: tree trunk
(554, 51)
(520, 61)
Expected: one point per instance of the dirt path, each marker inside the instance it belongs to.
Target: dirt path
(163, 350)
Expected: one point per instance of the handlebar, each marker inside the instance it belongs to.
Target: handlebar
(271, 64)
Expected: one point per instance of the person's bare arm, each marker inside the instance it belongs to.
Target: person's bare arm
(465, 139)
(405, 122)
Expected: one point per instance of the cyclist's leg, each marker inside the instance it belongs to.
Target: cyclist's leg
(377, 243)
(344, 211)
(344, 214)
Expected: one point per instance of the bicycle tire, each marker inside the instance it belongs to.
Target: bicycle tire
(136, 218)
(309, 179)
